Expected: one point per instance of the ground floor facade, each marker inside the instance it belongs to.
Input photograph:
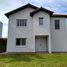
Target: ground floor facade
(38, 43)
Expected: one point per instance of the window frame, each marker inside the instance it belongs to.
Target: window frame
(21, 22)
(20, 42)
(57, 24)
(41, 21)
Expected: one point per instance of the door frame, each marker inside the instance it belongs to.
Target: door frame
(40, 37)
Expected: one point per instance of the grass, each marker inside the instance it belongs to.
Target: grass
(34, 60)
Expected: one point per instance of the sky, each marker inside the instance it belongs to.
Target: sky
(58, 6)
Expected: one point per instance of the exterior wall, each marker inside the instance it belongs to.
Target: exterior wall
(45, 28)
(1, 26)
(30, 31)
(20, 32)
(59, 37)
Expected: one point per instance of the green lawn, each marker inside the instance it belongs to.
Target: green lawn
(34, 60)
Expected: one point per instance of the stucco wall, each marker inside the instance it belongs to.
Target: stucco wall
(20, 32)
(30, 31)
(1, 26)
(59, 37)
(45, 28)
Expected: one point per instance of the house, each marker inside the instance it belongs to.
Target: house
(1, 26)
(34, 29)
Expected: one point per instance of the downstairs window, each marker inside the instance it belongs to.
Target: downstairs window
(20, 41)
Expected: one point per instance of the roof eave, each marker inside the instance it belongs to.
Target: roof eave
(59, 16)
(41, 9)
(32, 14)
(21, 8)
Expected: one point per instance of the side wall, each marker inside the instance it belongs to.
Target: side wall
(20, 32)
(1, 26)
(59, 37)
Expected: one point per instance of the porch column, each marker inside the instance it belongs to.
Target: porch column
(49, 44)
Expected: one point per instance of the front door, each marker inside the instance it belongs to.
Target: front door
(40, 45)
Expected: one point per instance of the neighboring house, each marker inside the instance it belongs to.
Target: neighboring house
(33, 29)
(1, 26)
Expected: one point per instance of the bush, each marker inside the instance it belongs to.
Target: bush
(3, 43)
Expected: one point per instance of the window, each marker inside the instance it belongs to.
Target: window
(20, 41)
(40, 20)
(21, 22)
(57, 24)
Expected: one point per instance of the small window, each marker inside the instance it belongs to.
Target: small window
(57, 24)
(40, 20)
(20, 41)
(21, 22)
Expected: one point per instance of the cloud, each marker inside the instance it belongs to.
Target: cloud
(57, 5)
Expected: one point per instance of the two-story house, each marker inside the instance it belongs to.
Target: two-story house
(1, 26)
(34, 29)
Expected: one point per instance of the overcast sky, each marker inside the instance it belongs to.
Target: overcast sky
(58, 6)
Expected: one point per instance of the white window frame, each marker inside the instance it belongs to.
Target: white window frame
(57, 28)
(41, 21)
(21, 22)
(21, 42)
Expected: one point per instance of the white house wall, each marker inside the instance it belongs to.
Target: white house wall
(20, 32)
(59, 37)
(45, 28)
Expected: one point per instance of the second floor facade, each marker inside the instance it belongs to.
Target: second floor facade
(35, 21)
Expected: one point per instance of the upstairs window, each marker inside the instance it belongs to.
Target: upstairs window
(57, 24)
(40, 21)
(20, 41)
(21, 22)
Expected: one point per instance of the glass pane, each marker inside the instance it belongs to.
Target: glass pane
(23, 41)
(17, 41)
(57, 25)
(17, 22)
